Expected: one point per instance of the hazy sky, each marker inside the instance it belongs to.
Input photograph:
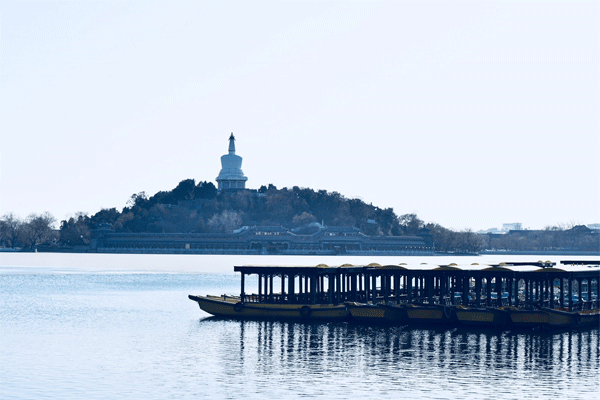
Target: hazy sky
(470, 114)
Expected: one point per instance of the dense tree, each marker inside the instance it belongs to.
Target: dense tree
(140, 221)
(185, 190)
(388, 221)
(205, 190)
(362, 213)
(164, 218)
(76, 230)
(123, 219)
(442, 237)
(105, 216)
(162, 198)
(138, 200)
(410, 224)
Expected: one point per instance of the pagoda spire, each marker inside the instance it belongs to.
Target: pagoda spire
(231, 144)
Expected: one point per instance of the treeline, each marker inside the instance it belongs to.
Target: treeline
(553, 238)
(576, 238)
(34, 231)
(200, 208)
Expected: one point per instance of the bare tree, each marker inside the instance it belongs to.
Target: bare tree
(38, 229)
(303, 219)
(225, 221)
(10, 230)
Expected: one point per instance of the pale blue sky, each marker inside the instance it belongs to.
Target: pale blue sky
(469, 113)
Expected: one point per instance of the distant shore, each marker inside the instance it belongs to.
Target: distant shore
(31, 262)
(85, 250)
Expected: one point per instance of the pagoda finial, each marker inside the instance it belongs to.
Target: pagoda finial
(231, 144)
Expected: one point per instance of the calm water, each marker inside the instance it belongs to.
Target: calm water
(71, 329)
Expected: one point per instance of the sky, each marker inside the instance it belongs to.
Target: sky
(469, 114)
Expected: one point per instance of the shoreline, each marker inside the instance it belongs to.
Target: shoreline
(223, 264)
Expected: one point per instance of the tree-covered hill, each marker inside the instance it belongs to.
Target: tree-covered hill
(201, 208)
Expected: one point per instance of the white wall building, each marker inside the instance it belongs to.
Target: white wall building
(515, 226)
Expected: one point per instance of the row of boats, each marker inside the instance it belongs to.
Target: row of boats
(398, 295)
(403, 314)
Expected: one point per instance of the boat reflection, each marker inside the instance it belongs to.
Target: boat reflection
(398, 352)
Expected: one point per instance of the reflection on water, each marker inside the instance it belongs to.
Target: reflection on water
(332, 360)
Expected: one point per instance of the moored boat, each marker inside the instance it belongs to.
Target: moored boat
(540, 296)
(232, 307)
(304, 293)
(428, 314)
(553, 318)
(367, 313)
(487, 317)
(588, 318)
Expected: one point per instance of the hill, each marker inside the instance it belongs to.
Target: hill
(201, 208)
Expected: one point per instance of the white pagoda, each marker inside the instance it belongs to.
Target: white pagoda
(231, 175)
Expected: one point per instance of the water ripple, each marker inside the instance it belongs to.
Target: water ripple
(138, 336)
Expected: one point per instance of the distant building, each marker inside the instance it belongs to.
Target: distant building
(264, 240)
(515, 226)
(231, 176)
(494, 231)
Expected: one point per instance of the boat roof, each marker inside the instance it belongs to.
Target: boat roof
(319, 269)
(585, 269)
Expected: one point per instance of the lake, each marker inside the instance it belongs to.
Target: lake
(97, 326)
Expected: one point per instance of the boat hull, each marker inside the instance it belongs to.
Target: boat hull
(497, 318)
(528, 318)
(429, 314)
(401, 314)
(376, 314)
(553, 319)
(591, 318)
(232, 308)
(486, 317)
